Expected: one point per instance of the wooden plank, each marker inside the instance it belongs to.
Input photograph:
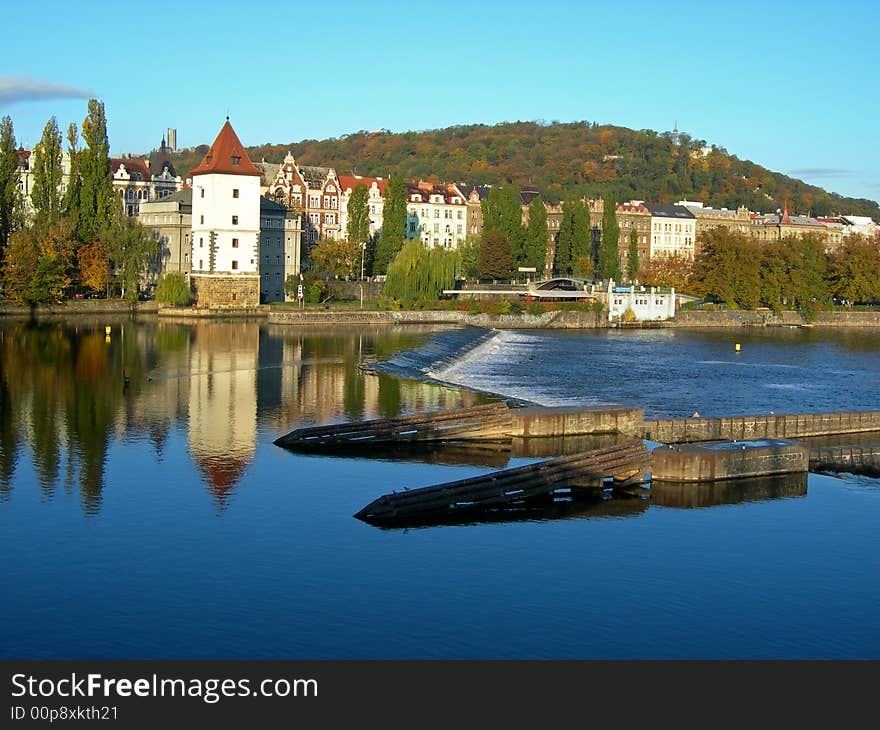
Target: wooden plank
(490, 418)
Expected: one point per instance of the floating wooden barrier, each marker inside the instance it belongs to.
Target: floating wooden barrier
(627, 463)
(484, 423)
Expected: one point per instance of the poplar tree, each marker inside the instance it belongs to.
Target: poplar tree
(46, 193)
(98, 206)
(70, 202)
(582, 240)
(358, 227)
(609, 255)
(10, 196)
(632, 261)
(565, 242)
(536, 247)
(393, 234)
(502, 213)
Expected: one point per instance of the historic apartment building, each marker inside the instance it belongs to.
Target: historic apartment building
(376, 187)
(776, 226)
(673, 231)
(313, 192)
(169, 221)
(436, 213)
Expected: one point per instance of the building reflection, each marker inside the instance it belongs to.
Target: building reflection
(69, 392)
(223, 403)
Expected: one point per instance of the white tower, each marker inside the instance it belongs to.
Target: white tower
(226, 225)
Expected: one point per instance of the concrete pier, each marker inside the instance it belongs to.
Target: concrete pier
(709, 462)
(576, 420)
(743, 428)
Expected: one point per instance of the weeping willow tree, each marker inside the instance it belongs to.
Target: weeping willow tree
(418, 273)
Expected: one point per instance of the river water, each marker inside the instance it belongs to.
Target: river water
(146, 513)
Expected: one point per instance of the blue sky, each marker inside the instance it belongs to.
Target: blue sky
(792, 86)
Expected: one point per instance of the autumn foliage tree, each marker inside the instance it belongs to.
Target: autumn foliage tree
(94, 265)
(37, 265)
(336, 257)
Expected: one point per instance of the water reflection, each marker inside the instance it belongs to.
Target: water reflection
(732, 491)
(69, 392)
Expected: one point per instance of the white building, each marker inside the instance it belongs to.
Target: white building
(226, 225)
(644, 303)
(375, 200)
(437, 214)
(673, 231)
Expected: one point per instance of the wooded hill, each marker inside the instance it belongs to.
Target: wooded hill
(580, 157)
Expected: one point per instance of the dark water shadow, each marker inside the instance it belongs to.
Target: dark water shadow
(534, 510)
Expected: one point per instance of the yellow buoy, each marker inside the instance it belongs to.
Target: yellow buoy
(737, 346)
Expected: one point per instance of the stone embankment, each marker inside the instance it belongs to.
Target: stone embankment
(79, 307)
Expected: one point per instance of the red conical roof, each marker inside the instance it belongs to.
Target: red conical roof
(786, 220)
(226, 156)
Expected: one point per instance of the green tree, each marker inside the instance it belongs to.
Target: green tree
(496, 259)
(173, 288)
(502, 213)
(358, 226)
(582, 241)
(135, 253)
(393, 234)
(98, 204)
(71, 206)
(10, 196)
(855, 270)
(565, 242)
(536, 246)
(419, 273)
(728, 268)
(46, 166)
(632, 260)
(469, 257)
(609, 255)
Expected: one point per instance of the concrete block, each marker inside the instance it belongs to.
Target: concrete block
(719, 460)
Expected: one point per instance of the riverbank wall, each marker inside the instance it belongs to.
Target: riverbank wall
(547, 320)
(76, 308)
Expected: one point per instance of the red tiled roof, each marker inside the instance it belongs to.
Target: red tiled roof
(132, 165)
(348, 182)
(226, 156)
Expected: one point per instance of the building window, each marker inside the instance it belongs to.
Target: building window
(202, 192)
(234, 243)
(234, 192)
(235, 160)
(202, 219)
(235, 264)
(235, 220)
(201, 263)
(201, 242)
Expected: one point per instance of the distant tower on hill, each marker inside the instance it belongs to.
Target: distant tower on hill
(171, 139)
(675, 135)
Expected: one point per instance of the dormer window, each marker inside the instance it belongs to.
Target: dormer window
(209, 158)
(235, 160)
